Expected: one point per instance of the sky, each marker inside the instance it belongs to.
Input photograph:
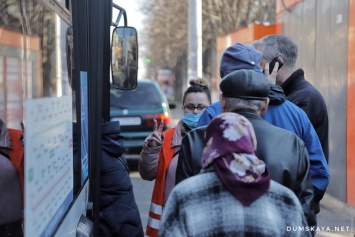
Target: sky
(134, 17)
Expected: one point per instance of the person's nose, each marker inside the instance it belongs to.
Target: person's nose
(195, 110)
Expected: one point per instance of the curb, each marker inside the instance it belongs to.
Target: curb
(336, 205)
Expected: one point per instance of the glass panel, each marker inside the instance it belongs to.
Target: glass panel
(33, 64)
(124, 58)
(2, 91)
(14, 91)
(34, 43)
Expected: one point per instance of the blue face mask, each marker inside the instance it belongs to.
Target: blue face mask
(191, 120)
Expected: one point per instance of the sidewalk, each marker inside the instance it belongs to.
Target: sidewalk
(336, 219)
(334, 204)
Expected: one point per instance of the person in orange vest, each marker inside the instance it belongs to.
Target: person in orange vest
(11, 182)
(160, 150)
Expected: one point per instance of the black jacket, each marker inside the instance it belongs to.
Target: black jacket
(284, 154)
(307, 97)
(119, 215)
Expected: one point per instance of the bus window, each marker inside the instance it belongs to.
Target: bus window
(33, 72)
(33, 55)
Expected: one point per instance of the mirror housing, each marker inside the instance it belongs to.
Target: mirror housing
(124, 58)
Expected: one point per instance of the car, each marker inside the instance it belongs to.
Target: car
(136, 110)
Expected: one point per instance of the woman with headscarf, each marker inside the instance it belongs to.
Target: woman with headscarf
(233, 195)
(159, 155)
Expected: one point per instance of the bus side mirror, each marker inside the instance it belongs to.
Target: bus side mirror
(124, 57)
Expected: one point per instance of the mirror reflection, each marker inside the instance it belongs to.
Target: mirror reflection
(124, 58)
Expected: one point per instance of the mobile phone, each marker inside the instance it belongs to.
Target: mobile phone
(272, 64)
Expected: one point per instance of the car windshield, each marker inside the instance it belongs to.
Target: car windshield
(144, 96)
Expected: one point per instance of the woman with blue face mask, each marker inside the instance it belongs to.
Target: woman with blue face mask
(160, 152)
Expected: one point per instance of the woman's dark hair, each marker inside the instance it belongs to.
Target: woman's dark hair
(198, 85)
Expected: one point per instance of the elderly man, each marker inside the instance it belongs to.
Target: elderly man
(285, 155)
(298, 90)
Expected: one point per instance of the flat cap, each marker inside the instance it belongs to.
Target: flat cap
(245, 84)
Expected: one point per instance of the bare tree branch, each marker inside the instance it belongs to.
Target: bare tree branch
(166, 26)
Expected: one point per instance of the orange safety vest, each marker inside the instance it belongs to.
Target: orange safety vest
(157, 203)
(16, 154)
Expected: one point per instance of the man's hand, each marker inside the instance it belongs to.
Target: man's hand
(271, 78)
(157, 137)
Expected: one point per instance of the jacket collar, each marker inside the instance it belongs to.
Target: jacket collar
(248, 113)
(180, 131)
(291, 82)
(276, 95)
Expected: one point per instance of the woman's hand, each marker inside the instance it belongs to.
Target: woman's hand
(271, 78)
(157, 137)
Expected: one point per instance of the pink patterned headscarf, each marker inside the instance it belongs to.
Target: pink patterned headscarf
(230, 146)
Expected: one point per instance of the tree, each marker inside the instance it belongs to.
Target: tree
(165, 33)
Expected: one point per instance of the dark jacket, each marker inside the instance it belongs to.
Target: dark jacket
(284, 154)
(119, 215)
(284, 114)
(11, 205)
(307, 97)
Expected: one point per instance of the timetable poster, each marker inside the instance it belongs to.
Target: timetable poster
(48, 163)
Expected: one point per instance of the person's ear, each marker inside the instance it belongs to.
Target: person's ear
(281, 58)
(264, 108)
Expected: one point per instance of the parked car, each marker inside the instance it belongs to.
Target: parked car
(136, 109)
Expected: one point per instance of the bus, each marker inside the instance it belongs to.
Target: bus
(57, 60)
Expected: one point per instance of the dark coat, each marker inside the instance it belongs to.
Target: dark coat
(307, 97)
(11, 204)
(284, 154)
(119, 215)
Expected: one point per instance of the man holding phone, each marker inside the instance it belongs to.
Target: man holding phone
(296, 88)
(284, 50)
